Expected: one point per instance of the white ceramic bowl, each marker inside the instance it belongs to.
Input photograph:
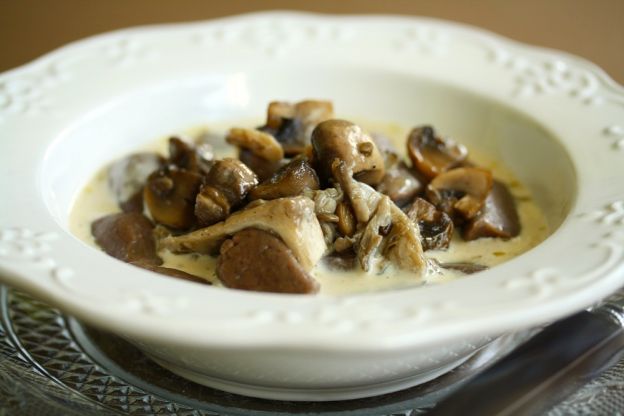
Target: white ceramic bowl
(555, 120)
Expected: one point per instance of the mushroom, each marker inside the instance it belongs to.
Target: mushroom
(185, 155)
(261, 167)
(290, 180)
(436, 227)
(170, 194)
(257, 260)
(464, 267)
(168, 271)
(498, 218)
(399, 183)
(347, 142)
(127, 176)
(292, 124)
(432, 155)
(292, 219)
(461, 190)
(226, 186)
(258, 142)
(127, 236)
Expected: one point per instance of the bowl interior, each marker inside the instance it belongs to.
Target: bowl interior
(495, 129)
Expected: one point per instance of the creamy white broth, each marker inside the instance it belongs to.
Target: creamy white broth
(96, 200)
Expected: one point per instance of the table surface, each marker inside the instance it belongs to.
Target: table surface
(590, 29)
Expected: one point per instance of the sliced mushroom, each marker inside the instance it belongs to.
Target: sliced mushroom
(347, 142)
(127, 236)
(187, 156)
(346, 219)
(226, 186)
(400, 184)
(127, 176)
(436, 227)
(258, 142)
(292, 219)
(170, 197)
(461, 190)
(464, 267)
(291, 180)
(292, 124)
(432, 155)
(261, 167)
(498, 218)
(362, 197)
(255, 259)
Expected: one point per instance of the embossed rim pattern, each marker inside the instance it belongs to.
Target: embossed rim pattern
(38, 255)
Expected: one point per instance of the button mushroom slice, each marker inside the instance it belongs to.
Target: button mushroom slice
(292, 219)
(127, 236)
(261, 167)
(290, 180)
(226, 186)
(255, 259)
(170, 197)
(432, 155)
(258, 142)
(436, 227)
(292, 124)
(464, 267)
(347, 142)
(461, 190)
(498, 218)
(400, 184)
(127, 176)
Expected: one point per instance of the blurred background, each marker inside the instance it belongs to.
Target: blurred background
(593, 29)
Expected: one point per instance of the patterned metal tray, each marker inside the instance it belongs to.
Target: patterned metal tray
(50, 364)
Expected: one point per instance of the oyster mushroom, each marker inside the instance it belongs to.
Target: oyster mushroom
(257, 260)
(432, 155)
(292, 219)
(461, 190)
(127, 176)
(347, 142)
(436, 227)
(290, 180)
(498, 218)
(169, 195)
(292, 124)
(226, 186)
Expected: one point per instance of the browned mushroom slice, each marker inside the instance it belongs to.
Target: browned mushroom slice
(464, 267)
(225, 188)
(498, 218)
(292, 219)
(257, 260)
(126, 236)
(291, 180)
(127, 176)
(170, 197)
(400, 184)
(260, 143)
(292, 124)
(432, 155)
(168, 271)
(436, 227)
(461, 190)
(347, 142)
(261, 167)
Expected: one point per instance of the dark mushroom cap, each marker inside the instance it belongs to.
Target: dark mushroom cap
(432, 155)
(226, 186)
(291, 180)
(170, 197)
(498, 218)
(435, 226)
(461, 190)
(345, 141)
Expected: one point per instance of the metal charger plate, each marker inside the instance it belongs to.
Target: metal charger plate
(50, 364)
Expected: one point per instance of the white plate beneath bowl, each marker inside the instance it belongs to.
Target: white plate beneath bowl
(555, 120)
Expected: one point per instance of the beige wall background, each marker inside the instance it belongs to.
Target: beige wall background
(593, 29)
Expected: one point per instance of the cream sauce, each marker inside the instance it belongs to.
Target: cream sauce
(96, 200)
